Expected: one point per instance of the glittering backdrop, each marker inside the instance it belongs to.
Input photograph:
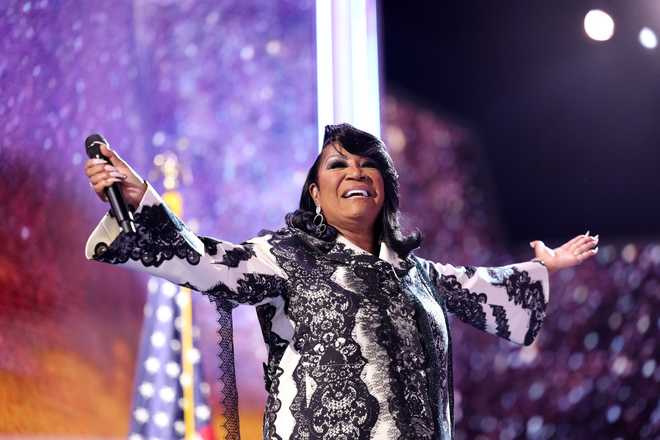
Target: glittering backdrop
(593, 372)
(229, 87)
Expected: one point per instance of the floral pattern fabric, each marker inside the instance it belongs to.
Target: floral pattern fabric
(358, 345)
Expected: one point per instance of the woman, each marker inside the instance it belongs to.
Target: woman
(356, 325)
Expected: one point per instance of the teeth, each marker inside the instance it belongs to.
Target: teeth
(358, 192)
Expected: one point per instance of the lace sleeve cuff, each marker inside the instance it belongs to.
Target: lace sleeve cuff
(108, 229)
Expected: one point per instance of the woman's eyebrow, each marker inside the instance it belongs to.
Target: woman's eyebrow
(335, 155)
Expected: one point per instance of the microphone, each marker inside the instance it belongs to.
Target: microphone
(119, 208)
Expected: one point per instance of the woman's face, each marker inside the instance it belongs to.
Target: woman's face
(350, 189)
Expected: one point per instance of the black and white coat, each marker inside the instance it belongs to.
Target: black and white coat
(358, 345)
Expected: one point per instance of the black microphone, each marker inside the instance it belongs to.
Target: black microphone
(119, 208)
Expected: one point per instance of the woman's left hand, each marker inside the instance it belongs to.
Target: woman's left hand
(569, 254)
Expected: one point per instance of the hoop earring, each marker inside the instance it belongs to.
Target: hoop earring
(319, 221)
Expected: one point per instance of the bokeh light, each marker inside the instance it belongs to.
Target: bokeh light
(647, 38)
(598, 25)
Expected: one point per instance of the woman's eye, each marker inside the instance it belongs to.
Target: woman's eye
(337, 164)
(369, 164)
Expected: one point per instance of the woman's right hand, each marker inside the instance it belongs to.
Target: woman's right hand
(102, 174)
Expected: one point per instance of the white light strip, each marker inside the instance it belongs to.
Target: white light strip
(341, 51)
(373, 68)
(324, 83)
(347, 64)
(359, 64)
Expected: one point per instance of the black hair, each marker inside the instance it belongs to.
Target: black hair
(388, 228)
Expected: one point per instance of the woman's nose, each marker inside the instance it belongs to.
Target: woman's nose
(357, 173)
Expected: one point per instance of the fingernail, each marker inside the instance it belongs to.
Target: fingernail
(587, 234)
(531, 244)
(596, 237)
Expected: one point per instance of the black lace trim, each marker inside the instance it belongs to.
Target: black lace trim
(501, 321)
(524, 292)
(233, 257)
(272, 371)
(332, 400)
(252, 289)
(227, 378)
(158, 238)
(467, 305)
(470, 271)
(440, 364)
(210, 245)
(399, 335)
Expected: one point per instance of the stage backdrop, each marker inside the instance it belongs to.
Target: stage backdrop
(593, 371)
(229, 88)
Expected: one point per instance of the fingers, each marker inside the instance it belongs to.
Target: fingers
(100, 186)
(586, 244)
(104, 178)
(101, 175)
(581, 241)
(585, 248)
(91, 165)
(112, 155)
(102, 169)
(106, 172)
(577, 238)
(96, 168)
(587, 254)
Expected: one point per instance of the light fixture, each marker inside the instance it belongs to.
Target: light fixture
(647, 38)
(598, 25)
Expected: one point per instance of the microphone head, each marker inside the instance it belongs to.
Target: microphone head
(93, 146)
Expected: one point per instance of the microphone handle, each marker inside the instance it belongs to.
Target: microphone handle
(123, 215)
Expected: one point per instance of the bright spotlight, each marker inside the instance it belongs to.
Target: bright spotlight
(647, 38)
(598, 25)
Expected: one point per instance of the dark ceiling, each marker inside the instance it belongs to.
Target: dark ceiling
(569, 127)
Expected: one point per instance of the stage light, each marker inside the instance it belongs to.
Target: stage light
(647, 38)
(347, 66)
(598, 25)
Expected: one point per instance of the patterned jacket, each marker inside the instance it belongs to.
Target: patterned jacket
(358, 345)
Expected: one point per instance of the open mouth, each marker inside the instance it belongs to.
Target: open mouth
(354, 193)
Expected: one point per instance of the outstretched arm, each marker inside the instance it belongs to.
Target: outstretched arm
(165, 247)
(507, 301)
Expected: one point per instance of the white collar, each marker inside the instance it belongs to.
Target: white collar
(385, 252)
